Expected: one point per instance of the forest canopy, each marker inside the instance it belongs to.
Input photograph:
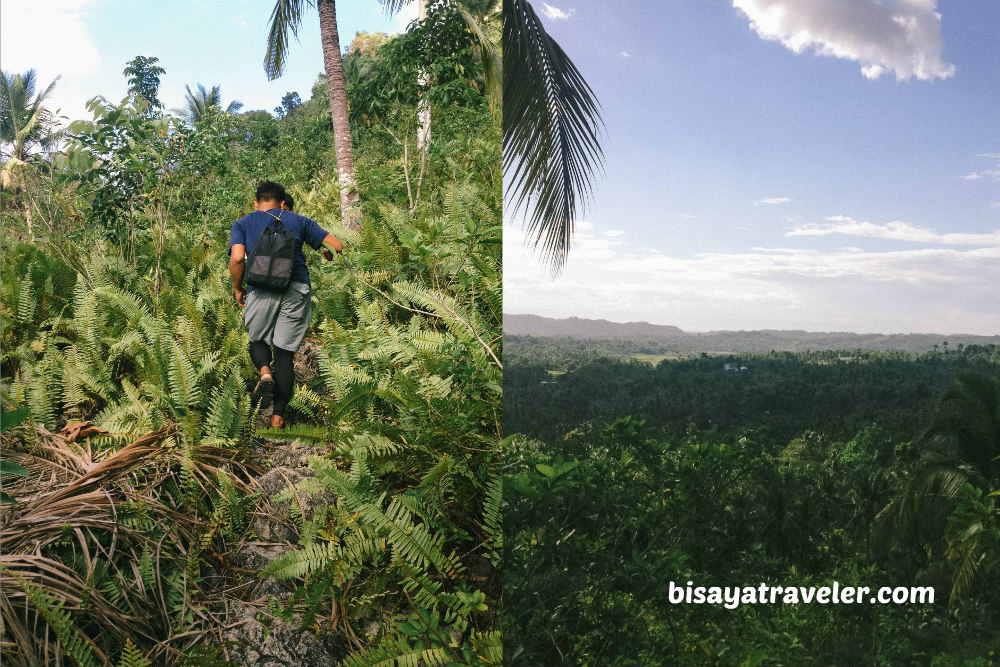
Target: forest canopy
(851, 466)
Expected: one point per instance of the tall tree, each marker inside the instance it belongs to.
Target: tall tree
(551, 122)
(287, 15)
(288, 103)
(477, 15)
(144, 80)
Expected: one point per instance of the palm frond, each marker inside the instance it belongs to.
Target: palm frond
(550, 132)
(393, 6)
(286, 15)
(489, 53)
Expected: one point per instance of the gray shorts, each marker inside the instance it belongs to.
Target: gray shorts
(279, 318)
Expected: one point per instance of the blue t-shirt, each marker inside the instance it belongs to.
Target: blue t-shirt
(248, 229)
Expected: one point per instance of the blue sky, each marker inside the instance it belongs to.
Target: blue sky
(799, 164)
(212, 42)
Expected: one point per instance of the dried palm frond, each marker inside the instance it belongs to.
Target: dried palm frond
(103, 546)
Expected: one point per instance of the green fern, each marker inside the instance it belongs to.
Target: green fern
(132, 656)
(185, 394)
(398, 653)
(493, 518)
(26, 303)
(59, 620)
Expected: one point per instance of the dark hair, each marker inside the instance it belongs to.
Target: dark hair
(289, 202)
(270, 191)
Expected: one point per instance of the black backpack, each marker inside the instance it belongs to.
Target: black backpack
(270, 264)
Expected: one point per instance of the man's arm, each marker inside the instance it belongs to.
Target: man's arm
(237, 263)
(332, 241)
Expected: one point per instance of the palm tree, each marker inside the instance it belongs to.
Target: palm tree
(287, 15)
(550, 132)
(974, 540)
(25, 122)
(961, 458)
(967, 426)
(207, 102)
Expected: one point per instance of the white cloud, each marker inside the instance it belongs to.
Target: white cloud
(785, 288)
(556, 13)
(626, 54)
(73, 55)
(406, 15)
(771, 200)
(897, 231)
(898, 36)
(613, 233)
(993, 173)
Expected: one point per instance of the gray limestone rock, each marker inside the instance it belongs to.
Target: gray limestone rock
(282, 643)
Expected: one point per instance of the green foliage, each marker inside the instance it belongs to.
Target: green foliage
(780, 475)
(384, 80)
(207, 103)
(26, 122)
(129, 153)
(144, 80)
(416, 374)
(11, 418)
(551, 126)
(288, 104)
(552, 388)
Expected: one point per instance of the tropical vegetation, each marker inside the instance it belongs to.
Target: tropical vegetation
(133, 465)
(791, 469)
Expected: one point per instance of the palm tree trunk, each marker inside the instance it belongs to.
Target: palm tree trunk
(349, 210)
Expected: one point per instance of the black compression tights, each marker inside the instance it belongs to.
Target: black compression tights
(281, 370)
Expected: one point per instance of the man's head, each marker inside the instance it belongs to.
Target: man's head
(269, 195)
(289, 203)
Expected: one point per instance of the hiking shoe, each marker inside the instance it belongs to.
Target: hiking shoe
(262, 393)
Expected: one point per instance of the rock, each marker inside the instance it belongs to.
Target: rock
(295, 455)
(273, 525)
(281, 643)
(276, 642)
(305, 361)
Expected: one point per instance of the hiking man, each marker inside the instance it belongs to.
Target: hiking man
(278, 318)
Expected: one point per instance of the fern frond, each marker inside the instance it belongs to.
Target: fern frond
(184, 390)
(298, 563)
(398, 653)
(132, 656)
(493, 518)
(60, 621)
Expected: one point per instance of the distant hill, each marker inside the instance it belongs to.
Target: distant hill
(576, 327)
(654, 338)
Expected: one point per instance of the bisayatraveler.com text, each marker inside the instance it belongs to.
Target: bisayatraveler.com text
(732, 597)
